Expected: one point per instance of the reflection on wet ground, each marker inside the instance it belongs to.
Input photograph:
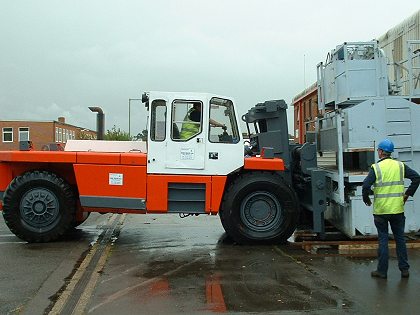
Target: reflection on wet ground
(164, 265)
(167, 269)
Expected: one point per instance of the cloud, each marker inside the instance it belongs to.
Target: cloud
(58, 58)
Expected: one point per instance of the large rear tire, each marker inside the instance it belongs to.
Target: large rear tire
(259, 207)
(39, 206)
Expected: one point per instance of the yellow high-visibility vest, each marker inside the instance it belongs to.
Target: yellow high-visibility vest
(189, 128)
(389, 187)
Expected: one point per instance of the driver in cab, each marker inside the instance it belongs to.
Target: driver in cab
(192, 122)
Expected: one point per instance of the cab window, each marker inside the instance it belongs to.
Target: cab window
(158, 121)
(222, 122)
(187, 120)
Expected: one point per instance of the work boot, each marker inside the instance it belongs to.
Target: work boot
(405, 274)
(377, 274)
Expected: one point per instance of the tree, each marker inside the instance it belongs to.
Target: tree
(83, 135)
(117, 134)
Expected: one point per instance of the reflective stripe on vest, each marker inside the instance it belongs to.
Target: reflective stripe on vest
(388, 187)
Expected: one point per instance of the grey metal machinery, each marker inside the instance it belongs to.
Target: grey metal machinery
(360, 107)
(269, 120)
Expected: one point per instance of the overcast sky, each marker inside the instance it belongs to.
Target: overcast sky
(59, 57)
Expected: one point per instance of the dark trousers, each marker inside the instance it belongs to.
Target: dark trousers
(397, 222)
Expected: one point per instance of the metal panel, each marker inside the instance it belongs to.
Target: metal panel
(401, 141)
(369, 122)
(398, 114)
(362, 218)
(355, 72)
(340, 217)
(328, 139)
(113, 202)
(406, 157)
(399, 127)
(411, 217)
(186, 197)
(355, 219)
(394, 44)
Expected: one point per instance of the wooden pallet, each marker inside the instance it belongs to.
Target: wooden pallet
(335, 242)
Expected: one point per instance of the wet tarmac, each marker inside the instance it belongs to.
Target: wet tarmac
(162, 264)
(165, 265)
(32, 274)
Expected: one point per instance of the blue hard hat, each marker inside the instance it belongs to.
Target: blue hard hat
(386, 145)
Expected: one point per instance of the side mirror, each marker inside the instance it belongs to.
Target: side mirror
(145, 99)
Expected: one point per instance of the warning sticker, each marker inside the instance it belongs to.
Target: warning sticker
(187, 154)
(115, 179)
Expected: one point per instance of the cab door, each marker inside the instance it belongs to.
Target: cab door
(186, 146)
(170, 149)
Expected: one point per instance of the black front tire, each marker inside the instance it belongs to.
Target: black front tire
(259, 207)
(39, 206)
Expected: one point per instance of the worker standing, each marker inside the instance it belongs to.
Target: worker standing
(387, 177)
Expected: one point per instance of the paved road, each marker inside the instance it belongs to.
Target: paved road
(161, 264)
(32, 274)
(164, 269)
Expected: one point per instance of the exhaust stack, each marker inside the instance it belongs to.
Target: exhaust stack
(100, 122)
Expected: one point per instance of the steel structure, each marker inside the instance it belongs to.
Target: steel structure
(353, 85)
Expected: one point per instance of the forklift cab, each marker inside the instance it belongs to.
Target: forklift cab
(192, 133)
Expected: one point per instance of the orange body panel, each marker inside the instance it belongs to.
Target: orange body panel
(112, 158)
(38, 156)
(98, 158)
(94, 180)
(134, 159)
(258, 163)
(217, 189)
(157, 190)
(6, 176)
(64, 170)
(114, 182)
(73, 157)
(9, 170)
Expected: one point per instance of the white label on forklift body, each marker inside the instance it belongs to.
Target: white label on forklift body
(115, 179)
(187, 154)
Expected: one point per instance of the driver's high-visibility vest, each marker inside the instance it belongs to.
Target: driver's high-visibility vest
(389, 187)
(189, 128)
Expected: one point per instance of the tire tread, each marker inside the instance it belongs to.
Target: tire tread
(64, 194)
(228, 212)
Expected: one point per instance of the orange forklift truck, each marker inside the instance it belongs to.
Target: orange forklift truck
(189, 167)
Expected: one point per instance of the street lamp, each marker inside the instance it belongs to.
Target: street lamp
(129, 113)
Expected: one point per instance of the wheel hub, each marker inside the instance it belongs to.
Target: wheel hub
(39, 208)
(260, 211)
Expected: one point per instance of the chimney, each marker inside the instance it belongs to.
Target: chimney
(62, 120)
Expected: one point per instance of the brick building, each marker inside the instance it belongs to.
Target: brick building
(40, 133)
(305, 111)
